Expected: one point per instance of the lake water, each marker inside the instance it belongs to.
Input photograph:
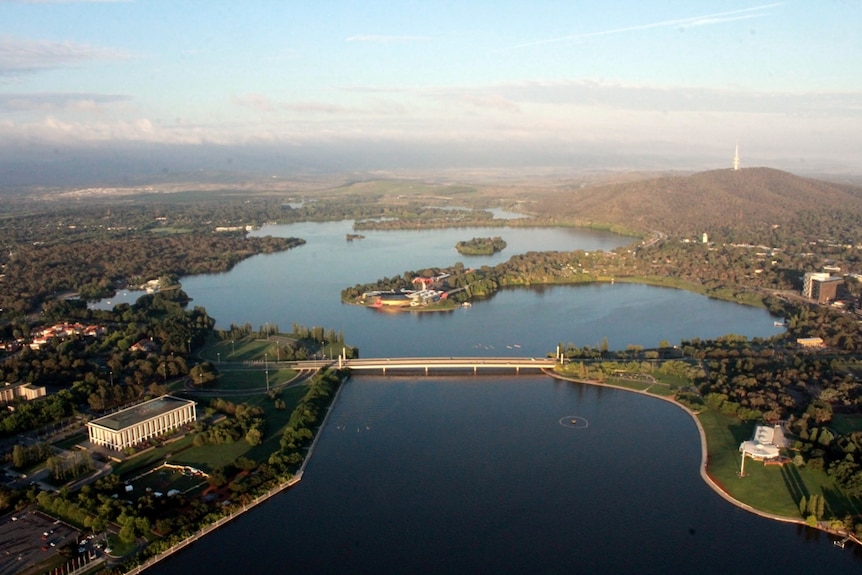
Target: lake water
(303, 286)
(481, 474)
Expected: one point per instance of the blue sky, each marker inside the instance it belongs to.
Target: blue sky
(671, 83)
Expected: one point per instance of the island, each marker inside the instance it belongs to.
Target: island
(481, 246)
(436, 290)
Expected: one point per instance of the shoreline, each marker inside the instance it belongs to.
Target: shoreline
(704, 460)
(297, 477)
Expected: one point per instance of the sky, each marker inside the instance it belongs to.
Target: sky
(368, 85)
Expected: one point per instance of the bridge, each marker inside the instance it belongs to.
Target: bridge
(447, 363)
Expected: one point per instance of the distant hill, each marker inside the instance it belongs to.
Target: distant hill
(748, 199)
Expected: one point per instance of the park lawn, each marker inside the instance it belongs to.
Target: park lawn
(154, 456)
(771, 488)
(845, 423)
(763, 487)
(673, 381)
(629, 384)
(118, 547)
(252, 378)
(661, 390)
(165, 479)
(71, 442)
(209, 457)
(245, 349)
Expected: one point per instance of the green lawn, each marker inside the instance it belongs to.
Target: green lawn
(845, 423)
(156, 456)
(252, 378)
(164, 480)
(246, 349)
(629, 384)
(774, 489)
(71, 442)
(208, 457)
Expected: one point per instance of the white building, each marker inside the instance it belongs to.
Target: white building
(26, 391)
(133, 425)
(762, 446)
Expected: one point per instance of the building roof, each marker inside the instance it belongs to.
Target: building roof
(142, 412)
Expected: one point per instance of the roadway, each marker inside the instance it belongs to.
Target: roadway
(427, 363)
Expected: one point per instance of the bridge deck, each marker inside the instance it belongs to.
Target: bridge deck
(427, 363)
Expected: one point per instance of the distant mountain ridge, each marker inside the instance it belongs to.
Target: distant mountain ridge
(746, 198)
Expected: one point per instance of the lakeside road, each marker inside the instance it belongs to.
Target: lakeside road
(704, 458)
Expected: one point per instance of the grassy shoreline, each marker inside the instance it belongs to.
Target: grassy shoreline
(771, 491)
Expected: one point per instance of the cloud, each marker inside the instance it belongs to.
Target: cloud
(680, 23)
(482, 101)
(25, 56)
(66, 1)
(665, 99)
(49, 102)
(266, 105)
(257, 102)
(385, 39)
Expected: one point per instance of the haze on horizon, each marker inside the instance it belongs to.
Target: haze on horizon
(101, 89)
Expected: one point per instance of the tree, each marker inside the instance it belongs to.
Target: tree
(254, 437)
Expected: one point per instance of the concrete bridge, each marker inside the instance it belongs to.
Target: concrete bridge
(447, 363)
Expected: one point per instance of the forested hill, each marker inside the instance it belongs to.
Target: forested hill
(743, 203)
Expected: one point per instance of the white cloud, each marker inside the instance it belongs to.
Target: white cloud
(47, 102)
(25, 56)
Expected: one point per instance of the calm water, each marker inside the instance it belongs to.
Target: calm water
(303, 286)
(476, 474)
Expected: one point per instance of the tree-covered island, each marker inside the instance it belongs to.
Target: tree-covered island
(481, 246)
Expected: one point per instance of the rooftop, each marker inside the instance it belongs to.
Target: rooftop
(141, 412)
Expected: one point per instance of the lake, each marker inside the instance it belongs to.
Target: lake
(476, 474)
(482, 475)
(304, 286)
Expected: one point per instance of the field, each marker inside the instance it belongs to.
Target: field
(164, 479)
(209, 457)
(845, 423)
(774, 488)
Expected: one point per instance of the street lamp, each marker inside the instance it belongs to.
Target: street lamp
(266, 370)
(218, 355)
(233, 348)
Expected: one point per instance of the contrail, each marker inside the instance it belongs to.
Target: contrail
(690, 22)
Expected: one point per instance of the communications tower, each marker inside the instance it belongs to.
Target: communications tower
(736, 158)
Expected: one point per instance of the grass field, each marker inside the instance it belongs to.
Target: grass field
(246, 349)
(164, 479)
(252, 378)
(845, 423)
(209, 457)
(156, 456)
(774, 489)
(71, 442)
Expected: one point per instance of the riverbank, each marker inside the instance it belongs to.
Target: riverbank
(234, 513)
(705, 458)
